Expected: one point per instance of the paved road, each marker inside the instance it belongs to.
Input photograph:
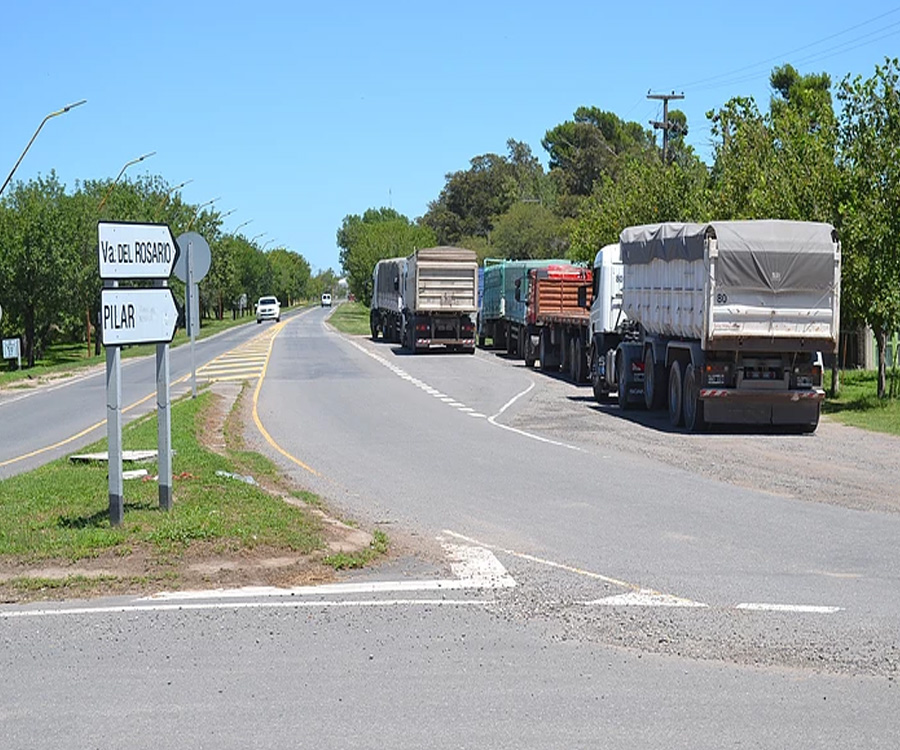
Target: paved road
(643, 611)
(41, 424)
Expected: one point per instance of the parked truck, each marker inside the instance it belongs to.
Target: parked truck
(534, 310)
(427, 300)
(724, 322)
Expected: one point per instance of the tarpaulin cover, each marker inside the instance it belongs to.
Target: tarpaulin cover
(769, 255)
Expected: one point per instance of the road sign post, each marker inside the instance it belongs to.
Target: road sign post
(137, 316)
(191, 267)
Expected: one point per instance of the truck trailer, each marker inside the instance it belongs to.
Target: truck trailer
(720, 323)
(534, 310)
(427, 300)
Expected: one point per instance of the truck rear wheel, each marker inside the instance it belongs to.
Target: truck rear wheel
(654, 381)
(676, 395)
(691, 403)
(622, 392)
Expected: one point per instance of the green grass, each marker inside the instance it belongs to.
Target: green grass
(859, 405)
(60, 511)
(352, 318)
(346, 561)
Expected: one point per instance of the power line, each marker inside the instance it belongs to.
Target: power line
(784, 55)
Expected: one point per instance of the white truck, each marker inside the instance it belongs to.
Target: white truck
(427, 300)
(723, 322)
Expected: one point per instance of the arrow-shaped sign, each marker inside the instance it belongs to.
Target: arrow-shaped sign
(138, 316)
(136, 251)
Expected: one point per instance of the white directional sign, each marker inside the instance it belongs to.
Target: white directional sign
(138, 316)
(136, 251)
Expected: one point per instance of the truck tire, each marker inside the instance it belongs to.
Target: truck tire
(654, 382)
(676, 395)
(549, 361)
(598, 384)
(580, 373)
(691, 403)
(622, 392)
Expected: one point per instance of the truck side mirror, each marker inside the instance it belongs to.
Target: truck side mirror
(396, 284)
(518, 290)
(582, 296)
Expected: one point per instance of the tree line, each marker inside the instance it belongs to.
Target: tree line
(803, 159)
(49, 283)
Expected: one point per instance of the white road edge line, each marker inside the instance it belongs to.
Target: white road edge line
(491, 420)
(296, 604)
(796, 608)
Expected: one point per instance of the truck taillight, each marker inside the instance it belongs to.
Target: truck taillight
(637, 366)
(717, 373)
(807, 377)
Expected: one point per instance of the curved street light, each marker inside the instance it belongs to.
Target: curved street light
(256, 237)
(172, 190)
(241, 225)
(266, 243)
(227, 213)
(197, 213)
(119, 176)
(52, 114)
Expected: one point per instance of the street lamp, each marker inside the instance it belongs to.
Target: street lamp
(266, 244)
(172, 190)
(227, 213)
(52, 114)
(197, 212)
(241, 225)
(256, 237)
(119, 176)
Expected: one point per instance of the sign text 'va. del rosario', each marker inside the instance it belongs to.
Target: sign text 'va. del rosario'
(136, 251)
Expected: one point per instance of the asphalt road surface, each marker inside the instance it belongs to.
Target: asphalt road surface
(564, 579)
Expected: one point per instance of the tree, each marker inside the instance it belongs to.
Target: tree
(39, 260)
(472, 199)
(593, 144)
(290, 275)
(528, 230)
(377, 234)
(869, 160)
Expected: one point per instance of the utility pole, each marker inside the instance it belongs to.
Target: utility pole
(665, 125)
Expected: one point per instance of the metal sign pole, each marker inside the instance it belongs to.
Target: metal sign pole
(164, 423)
(114, 428)
(190, 304)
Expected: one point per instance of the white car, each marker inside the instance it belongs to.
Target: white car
(268, 308)
(326, 300)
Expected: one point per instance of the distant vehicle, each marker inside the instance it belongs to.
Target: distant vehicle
(326, 300)
(268, 308)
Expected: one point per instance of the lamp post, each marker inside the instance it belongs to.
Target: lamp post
(267, 243)
(52, 114)
(197, 212)
(170, 191)
(119, 177)
(256, 237)
(227, 213)
(241, 225)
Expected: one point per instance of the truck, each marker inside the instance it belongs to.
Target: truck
(386, 311)
(724, 322)
(532, 309)
(427, 300)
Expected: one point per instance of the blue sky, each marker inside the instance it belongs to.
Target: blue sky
(295, 114)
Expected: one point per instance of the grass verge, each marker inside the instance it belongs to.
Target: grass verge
(56, 539)
(859, 405)
(351, 318)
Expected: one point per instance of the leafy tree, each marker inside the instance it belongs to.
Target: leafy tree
(38, 260)
(377, 234)
(869, 159)
(593, 144)
(290, 273)
(528, 230)
(472, 199)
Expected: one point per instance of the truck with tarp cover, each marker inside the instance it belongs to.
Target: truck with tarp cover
(726, 322)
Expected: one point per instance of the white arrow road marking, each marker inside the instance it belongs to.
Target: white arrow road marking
(645, 598)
